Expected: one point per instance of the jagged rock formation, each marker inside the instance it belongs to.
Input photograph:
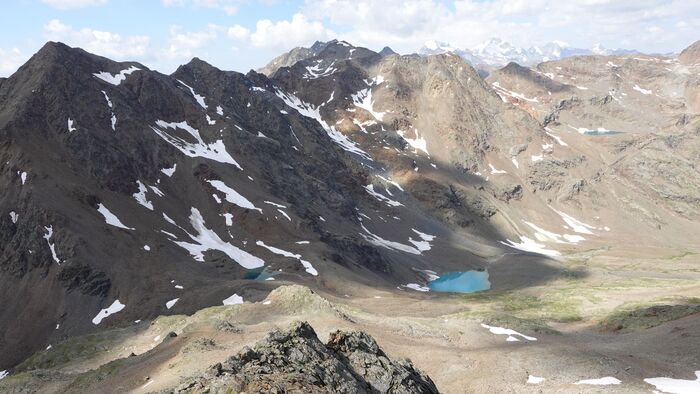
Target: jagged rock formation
(296, 361)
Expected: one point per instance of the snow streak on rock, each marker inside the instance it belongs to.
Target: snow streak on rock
(112, 309)
(117, 78)
(206, 239)
(215, 151)
(311, 111)
(307, 266)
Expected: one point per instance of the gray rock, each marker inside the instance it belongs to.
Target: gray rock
(517, 149)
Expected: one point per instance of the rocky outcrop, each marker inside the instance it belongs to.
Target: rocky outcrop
(295, 360)
(691, 54)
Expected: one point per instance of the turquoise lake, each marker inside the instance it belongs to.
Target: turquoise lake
(601, 133)
(461, 282)
(257, 274)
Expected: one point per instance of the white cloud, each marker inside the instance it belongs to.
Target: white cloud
(230, 7)
(184, 45)
(10, 60)
(640, 24)
(282, 35)
(239, 33)
(103, 43)
(68, 4)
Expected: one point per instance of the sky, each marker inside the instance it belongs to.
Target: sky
(245, 34)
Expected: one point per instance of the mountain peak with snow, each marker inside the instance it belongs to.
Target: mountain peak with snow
(496, 52)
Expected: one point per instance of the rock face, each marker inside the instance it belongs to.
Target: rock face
(296, 361)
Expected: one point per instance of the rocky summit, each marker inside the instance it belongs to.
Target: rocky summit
(492, 227)
(296, 361)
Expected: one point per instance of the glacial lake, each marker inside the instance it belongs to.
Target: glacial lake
(461, 282)
(602, 133)
(257, 274)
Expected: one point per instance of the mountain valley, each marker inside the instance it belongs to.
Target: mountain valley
(152, 225)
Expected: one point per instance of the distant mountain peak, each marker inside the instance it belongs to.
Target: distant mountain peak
(496, 52)
(386, 51)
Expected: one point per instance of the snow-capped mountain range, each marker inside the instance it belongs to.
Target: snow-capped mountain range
(497, 53)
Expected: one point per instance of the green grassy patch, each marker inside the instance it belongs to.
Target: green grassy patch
(87, 379)
(636, 316)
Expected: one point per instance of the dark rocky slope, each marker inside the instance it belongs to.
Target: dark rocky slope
(202, 165)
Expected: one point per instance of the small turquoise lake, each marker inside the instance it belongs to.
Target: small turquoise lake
(461, 282)
(601, 133)
(257, 274)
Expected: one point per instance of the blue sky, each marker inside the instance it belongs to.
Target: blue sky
(244, 34)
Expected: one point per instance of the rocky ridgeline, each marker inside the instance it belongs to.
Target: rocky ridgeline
(295, 360)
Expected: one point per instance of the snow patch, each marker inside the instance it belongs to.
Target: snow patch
(418, 143)
(670, 385)
(495, 171)
(381, 197)
(207, 239)
(311, 111)
(506, 331)
(307, 266)
(140, 196)
(117, 78)
(424, 244)
(70, 125)
(417, 287)
(110, 218)
(642, 91)
(608, 380)
(284, 214)
(274, 204)
(112, 309)
(577, 225)
(534, 380)
(316, 71)
(169, 171)
(363, 98)
(529, 245)
(215, 151)
(235, 299)
(228, 218)
(502, 91)
(52, 247)
(559, 140)
(233, 196)
(171, 303)
(378, 241)
(199, 98)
